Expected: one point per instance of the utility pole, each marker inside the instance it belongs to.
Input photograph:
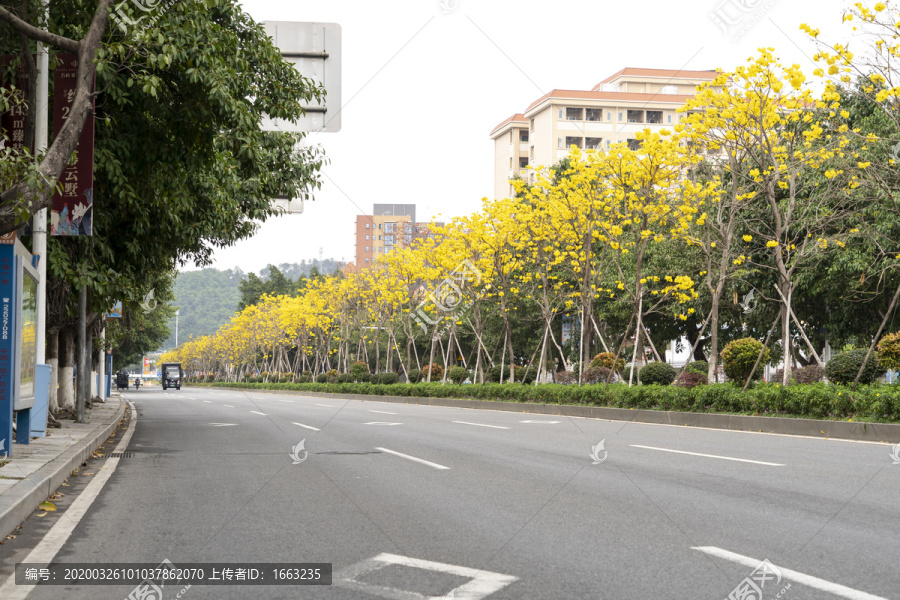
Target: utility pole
(40, 218)
(177, 312)
(81, 376)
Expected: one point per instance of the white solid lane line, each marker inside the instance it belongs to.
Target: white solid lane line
(801, 578)
(381, 423)
(542, 422)
(382, 412)
(207, 401)
(228, 405)
(223, 424)
(414, 459)
(53, 540)
(290, 401)
(308, 426)
(480, 425)
(325, 405)
(745, 460)
(259, 413)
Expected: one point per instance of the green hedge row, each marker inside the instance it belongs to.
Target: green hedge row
(817, 401)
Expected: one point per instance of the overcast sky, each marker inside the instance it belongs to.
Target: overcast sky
(425, 82)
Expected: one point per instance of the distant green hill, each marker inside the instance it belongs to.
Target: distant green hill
(208, 298)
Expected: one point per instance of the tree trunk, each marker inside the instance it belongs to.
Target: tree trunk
(52, 355)
(66, 393)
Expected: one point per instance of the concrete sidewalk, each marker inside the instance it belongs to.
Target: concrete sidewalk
(35, 470)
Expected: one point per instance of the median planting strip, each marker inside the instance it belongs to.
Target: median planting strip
(614, 404)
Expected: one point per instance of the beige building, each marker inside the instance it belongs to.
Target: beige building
(613, 111)
(392, 226)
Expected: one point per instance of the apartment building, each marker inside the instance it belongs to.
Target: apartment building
(391, 226)
(613, 111)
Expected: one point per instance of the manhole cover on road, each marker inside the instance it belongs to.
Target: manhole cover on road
(353, 453)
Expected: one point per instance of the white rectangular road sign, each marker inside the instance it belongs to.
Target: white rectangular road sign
(315, 51)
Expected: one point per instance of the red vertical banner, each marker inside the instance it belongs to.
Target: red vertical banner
(13, 120)
(71, 212)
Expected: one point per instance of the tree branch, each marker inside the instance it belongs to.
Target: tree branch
(22, 197)
(36, 33)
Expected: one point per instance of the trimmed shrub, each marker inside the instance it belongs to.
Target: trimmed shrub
(388, 378)
(808, 374)
(358, 369)
(889, 351)
(607, 360)
(333, 379)
(458, 374)
(494, 375)
(659, 373)
(690, 379)
(414, 375)
(700, 367)
(626, 372)
(526, 375)
(304, 378)
(365, 378)
(345, 378)
(565, 377)
(436, 370)
(843, 367)
(739, 356)
(322, 378)
(596, 375)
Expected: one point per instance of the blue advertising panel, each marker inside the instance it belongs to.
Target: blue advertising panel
(7, 338)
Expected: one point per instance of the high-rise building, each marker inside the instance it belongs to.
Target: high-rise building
(613, 111)
(391, 226)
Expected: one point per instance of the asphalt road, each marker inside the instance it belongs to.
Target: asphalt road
(416, 501)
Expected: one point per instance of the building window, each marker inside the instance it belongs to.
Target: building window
(574, 114)
(510, 136)
(670, 118)
(523, 135)
(609, 116)
(635, 116)
(523, 162)
(367, 225)
(573, 141)
(634, 144)
(367, 236)
(654, 116)
(593, 143)
(608, 144)
(367, 260)
(367, 249)
(620, 118)
(593, 114)
(559, 143)
(379, 237)
(561, 114)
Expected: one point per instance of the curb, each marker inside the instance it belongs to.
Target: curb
(845, 430)
(20, 500)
